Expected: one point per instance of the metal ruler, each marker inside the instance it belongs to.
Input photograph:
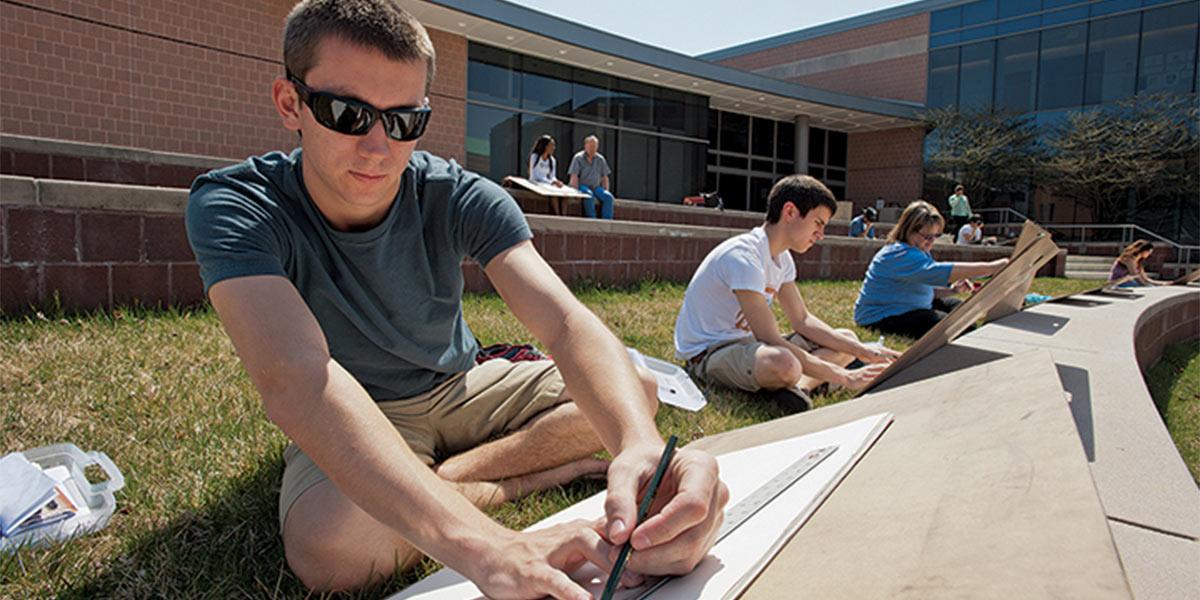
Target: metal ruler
(750, 505)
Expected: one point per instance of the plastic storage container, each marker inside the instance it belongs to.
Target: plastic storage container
(99, 496)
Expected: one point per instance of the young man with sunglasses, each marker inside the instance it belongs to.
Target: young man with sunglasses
(726, 330)
(336, 271)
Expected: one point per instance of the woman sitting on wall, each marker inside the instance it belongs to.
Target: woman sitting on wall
(1128, 268)
(543, 168)
(905, 291)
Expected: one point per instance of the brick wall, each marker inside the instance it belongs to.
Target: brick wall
(897, 78)
(174, 76)
(884, 164)
(91, 245)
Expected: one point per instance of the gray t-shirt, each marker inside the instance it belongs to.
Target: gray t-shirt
(388, 299)
(589, 173)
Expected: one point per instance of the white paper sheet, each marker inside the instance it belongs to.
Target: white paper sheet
(734, 562)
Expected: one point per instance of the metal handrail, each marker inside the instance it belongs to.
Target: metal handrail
(1008, 217)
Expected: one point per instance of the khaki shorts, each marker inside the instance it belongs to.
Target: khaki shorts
(490, 400)
(732, 363)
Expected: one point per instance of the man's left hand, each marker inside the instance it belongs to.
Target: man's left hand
(684, 518)
(877, 354)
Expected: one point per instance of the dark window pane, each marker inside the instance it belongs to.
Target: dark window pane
(735, 132)
(714, 130)
(765, 166)
(1062, 67)
(669, 111)
(1012, 8)
(785, 141)
(1168, 58)
(1065, 16)
(1016, 72)
(817, 172)
(763, 140)
(680, 170)
(695, 113)
(1018, 25)
(941, 20)
(733, 191)
(534, 127)
(816, 145)
(712, 158)
(710, 181)
(637, 168)
(545, 86)
(979, 12)
(835, 175)
(1049, 4)
(492, 142)
(944, 39)
(943, 78)
(591, 93)
(492, 76)
(735, 162)
(1112, 6)
(839, 191)
(837, 149)
(633, 104)
(975, 76)
(785, 167)
(1111, 59)
(978, 33)
(760, 188)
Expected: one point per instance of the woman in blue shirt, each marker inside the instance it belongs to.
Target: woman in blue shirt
(905, 291)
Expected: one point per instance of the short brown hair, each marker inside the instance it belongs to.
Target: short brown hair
(381, 25)
(916, 216)
(803, 191)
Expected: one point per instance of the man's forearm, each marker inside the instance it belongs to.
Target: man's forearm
(604, 385)
(820, 333)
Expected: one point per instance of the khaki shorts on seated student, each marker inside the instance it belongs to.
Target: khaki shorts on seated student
(492, 399)
(732, 363)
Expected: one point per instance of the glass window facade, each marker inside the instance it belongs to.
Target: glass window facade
(654, 138)
(1054, 55)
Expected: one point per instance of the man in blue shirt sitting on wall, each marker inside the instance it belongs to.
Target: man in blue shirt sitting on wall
(863, 226)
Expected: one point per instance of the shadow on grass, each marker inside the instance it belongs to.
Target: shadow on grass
(229, 548)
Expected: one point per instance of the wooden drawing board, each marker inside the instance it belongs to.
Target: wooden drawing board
(979, 489)
(548, 191)
(1015, 276)
(1188, 278)
(1030, 232)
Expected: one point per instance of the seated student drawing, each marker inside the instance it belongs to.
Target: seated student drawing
(543, 168)
(726, 330)
(905, 291)
(863, 226)
(1129, 266)
(336, 272)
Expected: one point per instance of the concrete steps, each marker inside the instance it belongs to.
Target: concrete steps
(1088, 267)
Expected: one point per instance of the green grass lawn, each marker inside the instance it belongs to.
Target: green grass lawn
(164, 395)
(1175, 385)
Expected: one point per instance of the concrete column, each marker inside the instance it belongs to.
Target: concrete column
(801, 143)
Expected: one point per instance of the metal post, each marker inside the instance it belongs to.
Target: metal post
(801, 150)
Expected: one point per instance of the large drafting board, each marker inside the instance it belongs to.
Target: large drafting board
(739, 557)
(1013, 302)
(979, 489)
(1014, 277)
(548, 191)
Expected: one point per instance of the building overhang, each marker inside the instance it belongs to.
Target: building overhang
(530, 32)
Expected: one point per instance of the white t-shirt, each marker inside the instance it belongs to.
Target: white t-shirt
(541, 170)
(965, 236)
(711, 313)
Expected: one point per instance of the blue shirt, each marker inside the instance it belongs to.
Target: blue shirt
(900, 278)
(388, 299)
(858, 225)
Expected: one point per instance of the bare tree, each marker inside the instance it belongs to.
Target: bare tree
(1135, 152)
(986, 151)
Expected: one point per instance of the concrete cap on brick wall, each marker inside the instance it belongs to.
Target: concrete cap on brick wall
(109, 196)
(16, 191)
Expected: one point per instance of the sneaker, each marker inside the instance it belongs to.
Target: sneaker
(791, 399)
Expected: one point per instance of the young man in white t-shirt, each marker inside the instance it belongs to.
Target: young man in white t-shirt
(726, 330)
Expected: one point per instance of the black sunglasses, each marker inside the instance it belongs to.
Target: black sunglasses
(353, 117)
